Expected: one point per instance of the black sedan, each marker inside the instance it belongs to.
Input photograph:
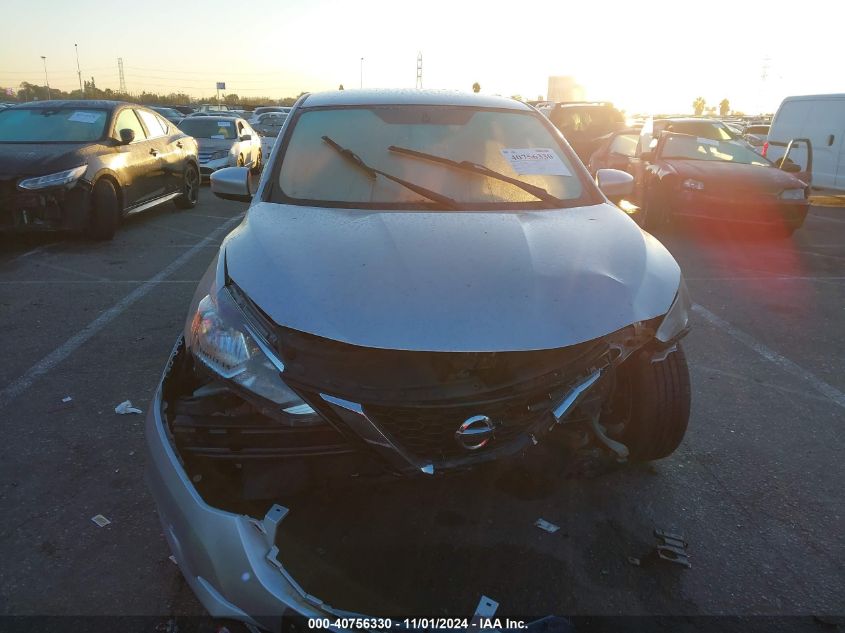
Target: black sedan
(83, 165)
(681, 175)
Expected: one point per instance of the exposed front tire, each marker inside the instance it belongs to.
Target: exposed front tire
(105, 210)
(190, 189)
(240, 162)
(651, 407)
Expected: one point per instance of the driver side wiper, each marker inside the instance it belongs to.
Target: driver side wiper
(475, 168)
(356, 160)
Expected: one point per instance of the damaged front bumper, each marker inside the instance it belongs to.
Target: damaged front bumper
(54, 209)
(228, 559)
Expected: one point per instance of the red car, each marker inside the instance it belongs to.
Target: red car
(680, 175)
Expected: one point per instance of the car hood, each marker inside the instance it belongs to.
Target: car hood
(214, 144)
(735, 175)
(40, 159)
(451, 281)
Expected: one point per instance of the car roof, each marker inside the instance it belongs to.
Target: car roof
(76, 103)
(410, 97)
(689, 119)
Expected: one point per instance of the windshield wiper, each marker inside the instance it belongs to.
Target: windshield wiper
(475, 168)
(356, 160)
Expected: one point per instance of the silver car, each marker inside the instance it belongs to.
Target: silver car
(425, 283)
(224, 141)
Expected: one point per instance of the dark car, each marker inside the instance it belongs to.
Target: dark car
(270, 123)
(583, 124)
(83, 165)
(171, 114)
(682, 175)
(186, 110)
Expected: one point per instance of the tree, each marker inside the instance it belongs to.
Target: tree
(340, 87)
(724, 107)
(476, 87)
(698, 106)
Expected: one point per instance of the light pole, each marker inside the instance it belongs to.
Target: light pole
(79, 72)
(362, 72)
(44, 59)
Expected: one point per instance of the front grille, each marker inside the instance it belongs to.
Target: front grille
(429, 432)
(204, 157)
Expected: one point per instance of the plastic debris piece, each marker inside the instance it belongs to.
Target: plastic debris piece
(100, 520)
(634, 561)
(672, 548)
(172, 559)
(66, 399)
(545, 525)
(126, 407)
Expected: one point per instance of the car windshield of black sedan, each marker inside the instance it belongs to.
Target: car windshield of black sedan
(45, 125)
(691, 148)
(516, 144)
(209, 127)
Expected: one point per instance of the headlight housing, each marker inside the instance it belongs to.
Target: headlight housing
(59, 179)
(676, 322)
(792, 194)
(693, 184)
(221, 339)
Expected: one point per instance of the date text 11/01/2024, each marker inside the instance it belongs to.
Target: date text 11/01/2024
(384, 624)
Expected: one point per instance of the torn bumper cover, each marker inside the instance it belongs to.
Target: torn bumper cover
(228, 559)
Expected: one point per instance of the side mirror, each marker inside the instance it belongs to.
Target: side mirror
(231, 183)
(615, 184)
(127, 136)
(246, 137)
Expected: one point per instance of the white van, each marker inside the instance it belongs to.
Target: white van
(821, 119)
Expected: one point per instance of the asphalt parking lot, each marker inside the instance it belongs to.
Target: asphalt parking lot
(756, 488)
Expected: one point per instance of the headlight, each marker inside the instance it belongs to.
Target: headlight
(222, 341)
(676, 321)
(219, 154)
(54, 180)
(691, 183)
(792, 194)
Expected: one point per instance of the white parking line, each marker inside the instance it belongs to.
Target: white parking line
(828, 390)
(29, 253)
(72, 271)
(734, 376)
(24, 382)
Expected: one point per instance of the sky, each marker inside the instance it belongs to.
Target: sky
(651, 56)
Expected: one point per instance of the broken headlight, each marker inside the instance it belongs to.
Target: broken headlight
(676, 322)
(222, 341)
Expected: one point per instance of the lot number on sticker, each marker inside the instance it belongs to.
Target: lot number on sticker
(84, 117)
(535, 161)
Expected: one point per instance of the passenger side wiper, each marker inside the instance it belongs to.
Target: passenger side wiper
(356, 160)
(475, 168)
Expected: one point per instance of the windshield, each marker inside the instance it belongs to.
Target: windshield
(209, 127)
(43, 125)
(693, 148)
(701, 129)
(514, 143)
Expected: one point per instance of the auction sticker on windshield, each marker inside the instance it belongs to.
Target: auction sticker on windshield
(84, 117)
(536, 161)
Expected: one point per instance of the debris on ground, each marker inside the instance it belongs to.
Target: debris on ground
(126, 407)
(66, 399)
(545, 525)
(172, 559)
(100, 520)
(672, 548)
(636, 562)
